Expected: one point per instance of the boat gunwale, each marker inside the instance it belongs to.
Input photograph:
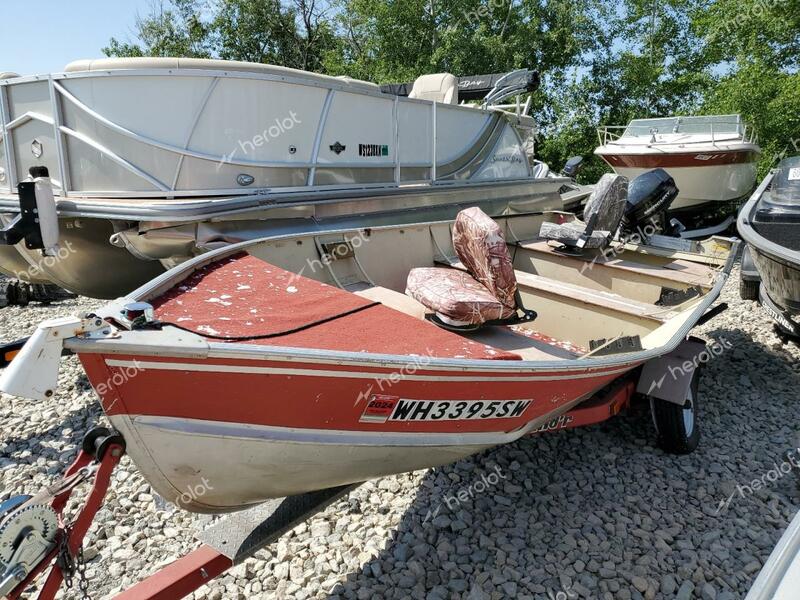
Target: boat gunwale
(255, 352)
(752, 237)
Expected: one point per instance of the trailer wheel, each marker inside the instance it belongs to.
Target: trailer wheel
(748, 289)
(677, 426)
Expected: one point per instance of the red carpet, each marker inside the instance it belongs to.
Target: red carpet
(243, 296)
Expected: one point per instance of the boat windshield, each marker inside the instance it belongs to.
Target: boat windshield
(708, 125)
(786, 183)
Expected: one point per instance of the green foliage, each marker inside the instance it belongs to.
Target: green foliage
(174, 30)
(603, 62)
(768, 99)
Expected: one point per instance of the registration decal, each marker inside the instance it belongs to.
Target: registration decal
(382, 408)
(458, 410)
(379, 408)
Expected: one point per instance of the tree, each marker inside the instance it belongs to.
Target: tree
(294, 34)
(603, 62)
(262, 31)
(173, 28)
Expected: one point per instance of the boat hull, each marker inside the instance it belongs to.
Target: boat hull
(778, 266)
(271, 428)
(699, 185)
(780, 278)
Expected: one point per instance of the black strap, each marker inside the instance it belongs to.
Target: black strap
(266, 336)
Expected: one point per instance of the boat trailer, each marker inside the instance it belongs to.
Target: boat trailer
(37, 537)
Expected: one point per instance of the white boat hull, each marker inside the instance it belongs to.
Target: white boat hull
(701, 185)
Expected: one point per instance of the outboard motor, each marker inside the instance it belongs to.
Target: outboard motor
(650, 196)
(573, 167)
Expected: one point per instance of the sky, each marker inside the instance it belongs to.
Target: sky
(43, 36)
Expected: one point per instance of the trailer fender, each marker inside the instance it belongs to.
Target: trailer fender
(748, 268)
(669, 377)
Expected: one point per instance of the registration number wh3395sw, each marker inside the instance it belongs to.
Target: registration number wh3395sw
(381, 409)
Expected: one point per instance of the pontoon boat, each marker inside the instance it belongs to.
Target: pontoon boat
(156, 160)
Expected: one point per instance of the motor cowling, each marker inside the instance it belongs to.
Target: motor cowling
(650, 196)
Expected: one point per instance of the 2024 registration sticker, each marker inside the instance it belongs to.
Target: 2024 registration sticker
(381, 409)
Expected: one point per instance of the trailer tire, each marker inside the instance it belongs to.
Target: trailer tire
(677, 426)
(748, 289)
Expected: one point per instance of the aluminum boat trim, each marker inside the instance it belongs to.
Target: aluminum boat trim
(295, 435)
(219, 368)
(180, 211)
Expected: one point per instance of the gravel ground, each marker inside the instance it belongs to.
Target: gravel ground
(593, 513)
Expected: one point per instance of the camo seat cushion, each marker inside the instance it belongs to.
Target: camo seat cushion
(455, 296)
(481, 246)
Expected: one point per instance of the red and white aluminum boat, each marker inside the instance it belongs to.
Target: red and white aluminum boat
(713, 159)
(297, 363)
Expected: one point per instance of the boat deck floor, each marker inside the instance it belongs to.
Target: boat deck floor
(242, 298)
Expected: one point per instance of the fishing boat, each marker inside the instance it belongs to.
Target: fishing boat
(307, 361)
(153, 161)
(770, 224)
(713, 159)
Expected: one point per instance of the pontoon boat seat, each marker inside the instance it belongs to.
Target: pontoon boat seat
(487, 292)
(601, 217)
(107, 64)
(441, 87)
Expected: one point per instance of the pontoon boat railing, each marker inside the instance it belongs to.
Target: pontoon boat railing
(719, 128)
(513, 83)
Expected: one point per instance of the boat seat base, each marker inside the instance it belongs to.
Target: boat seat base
(389, 298)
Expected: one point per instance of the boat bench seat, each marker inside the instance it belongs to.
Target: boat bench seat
(607, 300)
(681, 272)
(586, 295)
(389, 298)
